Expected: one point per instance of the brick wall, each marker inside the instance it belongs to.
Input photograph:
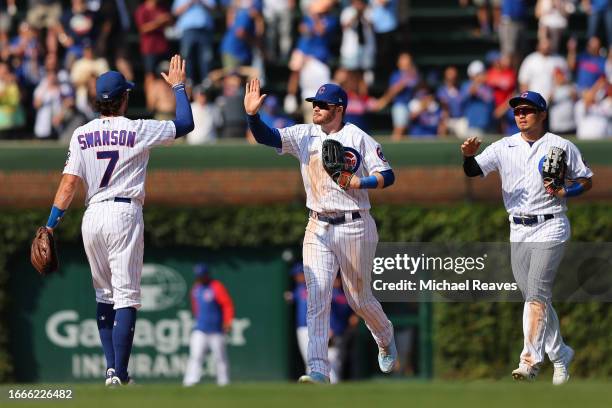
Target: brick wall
(236, 187)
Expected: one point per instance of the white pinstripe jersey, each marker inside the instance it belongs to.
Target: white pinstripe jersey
(520, 167)
(111, 155)
(322, 193)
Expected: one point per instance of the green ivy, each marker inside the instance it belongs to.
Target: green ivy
(470, 340)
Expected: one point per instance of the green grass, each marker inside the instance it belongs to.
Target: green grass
(373, 394)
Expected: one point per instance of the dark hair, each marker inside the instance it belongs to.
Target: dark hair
(111, 107)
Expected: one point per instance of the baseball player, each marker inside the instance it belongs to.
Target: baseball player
(299, 297)
(213, 310)
(539, 227)
(341, 319)
(340, 233)
(109, 155)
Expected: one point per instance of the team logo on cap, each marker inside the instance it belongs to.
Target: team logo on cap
(524, 94)
(352, 158)
(321, 89)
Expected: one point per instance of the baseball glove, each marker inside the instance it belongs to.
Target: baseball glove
(43, 253)
(553, 169)
(333, 162)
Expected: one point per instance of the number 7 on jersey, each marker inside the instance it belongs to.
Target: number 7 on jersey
(113, 156)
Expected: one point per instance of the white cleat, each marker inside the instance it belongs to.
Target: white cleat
(110, 373)
(525, 373)
(387, 356)
(314, 378)
(561, 373)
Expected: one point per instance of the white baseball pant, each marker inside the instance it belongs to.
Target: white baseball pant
(199, 343)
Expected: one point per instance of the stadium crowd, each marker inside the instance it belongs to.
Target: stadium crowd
(52, 50)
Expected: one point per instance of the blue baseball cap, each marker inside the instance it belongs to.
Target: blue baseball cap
(201, 270)
(330, 93)
(110, 85)
(529, 98)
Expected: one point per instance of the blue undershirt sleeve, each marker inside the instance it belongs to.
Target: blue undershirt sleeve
(263, 133)
(184, 117)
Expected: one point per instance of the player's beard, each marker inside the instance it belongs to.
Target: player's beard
(323, 118)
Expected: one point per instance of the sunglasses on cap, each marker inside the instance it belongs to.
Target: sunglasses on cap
(524, 111)
(322, 105)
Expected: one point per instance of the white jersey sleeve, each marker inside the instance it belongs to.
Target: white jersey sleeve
(488, 160)
(373, 158)
(292, 139)
(74, 162)
(157, 132)
(576, 168)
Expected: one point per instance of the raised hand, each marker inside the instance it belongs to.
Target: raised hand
(252, 97)
(470, 146)
(177, 71)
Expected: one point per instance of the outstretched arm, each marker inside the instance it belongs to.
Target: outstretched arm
(176, 79)
(253, 100)
(469, 149)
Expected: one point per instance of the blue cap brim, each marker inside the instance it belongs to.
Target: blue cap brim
(517, 100)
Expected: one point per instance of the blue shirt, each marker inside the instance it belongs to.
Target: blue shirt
(478, 108)
(235, 46)
(515, 10)
(384, 18)
(426, 124)
(317, 45)
(589, 68)
(411, 81)
(300, 298)
(196, 17)
(451, 97)
(511, 127)
(340, 312)
(600, 5)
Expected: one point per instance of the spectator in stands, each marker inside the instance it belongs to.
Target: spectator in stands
(512, 29)
(44, 15)
(482, 13)
(240, 38)
(589, 65)
(83, 69)
(400, 91)
(195, 25)
(8, 10)
(561, 107)
(151, 19)
(536, 72)
(501, 78)
(449, 96)
(505, 115)
(315, 30)
(51, 105)
(358, 49)
(426, 116)
(115, 28)
(229, 103)
(271, 114)
(26, 52)
(599, 11)
(77, 26)
(359, 102)
(278, 15)
(385, 24)
(206, 117)
(477, 100)
(552, 18)
(12, 115)
(594, 112)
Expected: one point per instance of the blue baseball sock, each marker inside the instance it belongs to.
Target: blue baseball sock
(105, 316)
(123, 335)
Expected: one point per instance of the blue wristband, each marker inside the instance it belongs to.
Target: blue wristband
(574, 190)
(55, 217)
(368, 182)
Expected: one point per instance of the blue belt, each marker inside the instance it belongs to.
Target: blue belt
(341, 219)
(531, 219)
(122, 200)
